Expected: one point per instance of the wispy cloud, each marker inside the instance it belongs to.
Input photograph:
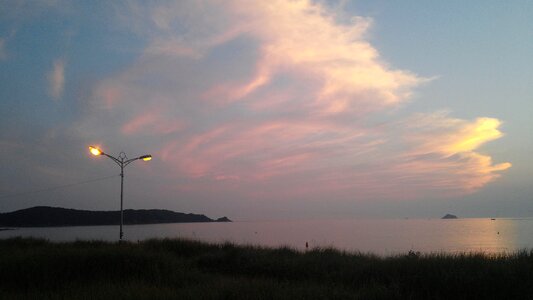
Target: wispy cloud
(56, 79)
(279, 96)
(3, 52)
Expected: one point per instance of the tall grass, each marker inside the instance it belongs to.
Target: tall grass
(184, 269)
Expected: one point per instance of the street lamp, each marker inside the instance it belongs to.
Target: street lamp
(122, 161)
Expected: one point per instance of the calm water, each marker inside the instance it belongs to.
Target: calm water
(377, 236)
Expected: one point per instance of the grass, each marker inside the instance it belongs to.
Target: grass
(185, 269)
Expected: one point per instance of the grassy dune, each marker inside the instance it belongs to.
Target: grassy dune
(184, 269)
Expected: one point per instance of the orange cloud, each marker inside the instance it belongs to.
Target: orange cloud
(475, 135)
(452, 144)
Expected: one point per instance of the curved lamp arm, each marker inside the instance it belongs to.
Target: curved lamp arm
(120, 162)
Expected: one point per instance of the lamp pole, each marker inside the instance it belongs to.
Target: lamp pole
(122, 161)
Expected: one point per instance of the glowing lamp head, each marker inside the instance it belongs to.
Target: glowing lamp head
(146, 157)
(94, 150)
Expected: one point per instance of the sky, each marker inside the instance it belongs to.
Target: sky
(266, 110)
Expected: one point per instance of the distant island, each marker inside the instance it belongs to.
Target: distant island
(449, 216)
(45, 216)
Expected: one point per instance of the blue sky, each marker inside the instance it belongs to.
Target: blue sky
(278, 109)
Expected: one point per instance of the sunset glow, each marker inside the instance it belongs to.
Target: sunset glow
(254, 131)
(282, 106)
(482, 131)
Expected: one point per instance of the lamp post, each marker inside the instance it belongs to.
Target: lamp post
(122, 161)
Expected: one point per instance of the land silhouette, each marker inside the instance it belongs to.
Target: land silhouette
(45, 216)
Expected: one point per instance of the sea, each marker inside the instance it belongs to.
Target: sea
(381, 237)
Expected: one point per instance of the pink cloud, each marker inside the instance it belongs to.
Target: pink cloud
(151, 123)
(296, 119)
(303, 39)
(171, 47)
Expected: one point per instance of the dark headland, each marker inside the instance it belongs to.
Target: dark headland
(44, 216)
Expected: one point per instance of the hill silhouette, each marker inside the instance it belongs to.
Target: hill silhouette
(44, 216)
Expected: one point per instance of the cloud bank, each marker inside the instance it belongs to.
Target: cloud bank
(280, 99)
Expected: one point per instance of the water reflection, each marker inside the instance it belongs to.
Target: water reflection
(377, 236)
(484, 235)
